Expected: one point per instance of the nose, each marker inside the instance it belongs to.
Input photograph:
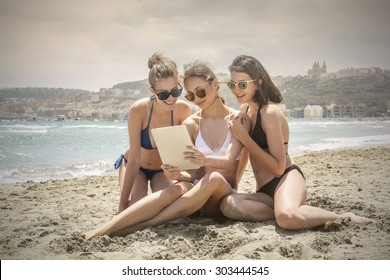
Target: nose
(235, 89)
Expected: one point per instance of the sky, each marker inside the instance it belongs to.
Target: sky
(93, 44)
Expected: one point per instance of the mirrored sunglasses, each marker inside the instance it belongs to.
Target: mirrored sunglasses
(190, 96)
(241, 84)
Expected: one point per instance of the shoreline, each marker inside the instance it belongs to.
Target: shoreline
(44, 220)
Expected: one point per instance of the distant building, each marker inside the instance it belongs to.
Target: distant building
(298, 113)
(317, 70)
(313, 111)
(345, 110)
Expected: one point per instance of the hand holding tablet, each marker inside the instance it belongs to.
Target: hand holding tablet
(172, 142)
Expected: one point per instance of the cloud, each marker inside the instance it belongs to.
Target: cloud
(93, 44)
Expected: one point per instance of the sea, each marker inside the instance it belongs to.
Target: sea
(49, 150)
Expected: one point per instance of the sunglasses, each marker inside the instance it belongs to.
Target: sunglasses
(241, 85)
(190, 96)
(164, 95)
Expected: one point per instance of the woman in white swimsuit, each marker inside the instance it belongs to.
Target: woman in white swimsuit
(216, 151)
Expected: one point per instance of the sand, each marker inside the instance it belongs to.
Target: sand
(45, 220)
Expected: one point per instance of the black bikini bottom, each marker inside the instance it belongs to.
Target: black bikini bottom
(270, 187)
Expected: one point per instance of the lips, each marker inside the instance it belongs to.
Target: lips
(240, 95)
(199, 103)
(170, 103)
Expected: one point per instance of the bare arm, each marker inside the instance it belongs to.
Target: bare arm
(273, 161)
(134, 161)
(175, 173)
(243, 164)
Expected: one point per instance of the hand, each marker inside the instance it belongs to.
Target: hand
(171, 172)
(194, 156)
(238, 128)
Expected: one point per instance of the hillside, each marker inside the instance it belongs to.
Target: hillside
(372, 89)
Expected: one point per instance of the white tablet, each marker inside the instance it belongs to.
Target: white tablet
(171, 142)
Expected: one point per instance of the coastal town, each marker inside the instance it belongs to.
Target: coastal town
(347, 93)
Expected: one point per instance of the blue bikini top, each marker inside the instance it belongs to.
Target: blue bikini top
(145, 137)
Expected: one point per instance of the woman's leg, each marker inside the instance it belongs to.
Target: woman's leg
(139, 189)
(210, 189)
(291, 212)
(144, 210)
(140, 185)
(160, 182)
(255, 207)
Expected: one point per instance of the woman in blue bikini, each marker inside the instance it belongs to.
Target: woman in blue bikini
(280, 184)
(141, 162)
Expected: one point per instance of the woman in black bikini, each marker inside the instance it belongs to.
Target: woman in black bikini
(281, 190)
(141, 162)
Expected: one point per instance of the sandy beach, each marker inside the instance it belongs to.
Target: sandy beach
(45, 220)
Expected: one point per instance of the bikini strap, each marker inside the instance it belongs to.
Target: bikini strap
(150, 114)
(172, 118)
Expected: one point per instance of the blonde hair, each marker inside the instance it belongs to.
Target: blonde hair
(161, 67)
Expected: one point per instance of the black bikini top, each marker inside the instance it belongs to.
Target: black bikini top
(258, 135)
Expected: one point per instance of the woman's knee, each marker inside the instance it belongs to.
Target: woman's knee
(227, 205)
(177, 189)
(289, 218)
(215, 179)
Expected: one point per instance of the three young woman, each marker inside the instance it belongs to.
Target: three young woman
(215, 150)
(219, 134)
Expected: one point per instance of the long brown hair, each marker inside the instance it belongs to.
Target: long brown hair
(267, 91)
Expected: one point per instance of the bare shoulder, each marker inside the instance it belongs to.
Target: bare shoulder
(271, 110)
(137, 113)
(181, 104)
(140, 105)
(183, 109)
(192, 120)
(192, 124)
(272, 115)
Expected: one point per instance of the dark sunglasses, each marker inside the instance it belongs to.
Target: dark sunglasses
(190, 96)
(241, 85)
(164, 95)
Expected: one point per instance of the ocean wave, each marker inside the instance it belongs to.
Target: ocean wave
(21, 128)
(42, 131)
(94, 126)
(335, 122)
(346, 142)
(45, 173)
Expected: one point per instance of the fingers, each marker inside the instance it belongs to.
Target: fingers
(194, 156)
(172, 172)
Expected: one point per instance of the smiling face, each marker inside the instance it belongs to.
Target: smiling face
(166, 85)
(244, 95)
(198, 87)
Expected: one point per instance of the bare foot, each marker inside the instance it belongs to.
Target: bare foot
(89, 234)
(357, 219)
